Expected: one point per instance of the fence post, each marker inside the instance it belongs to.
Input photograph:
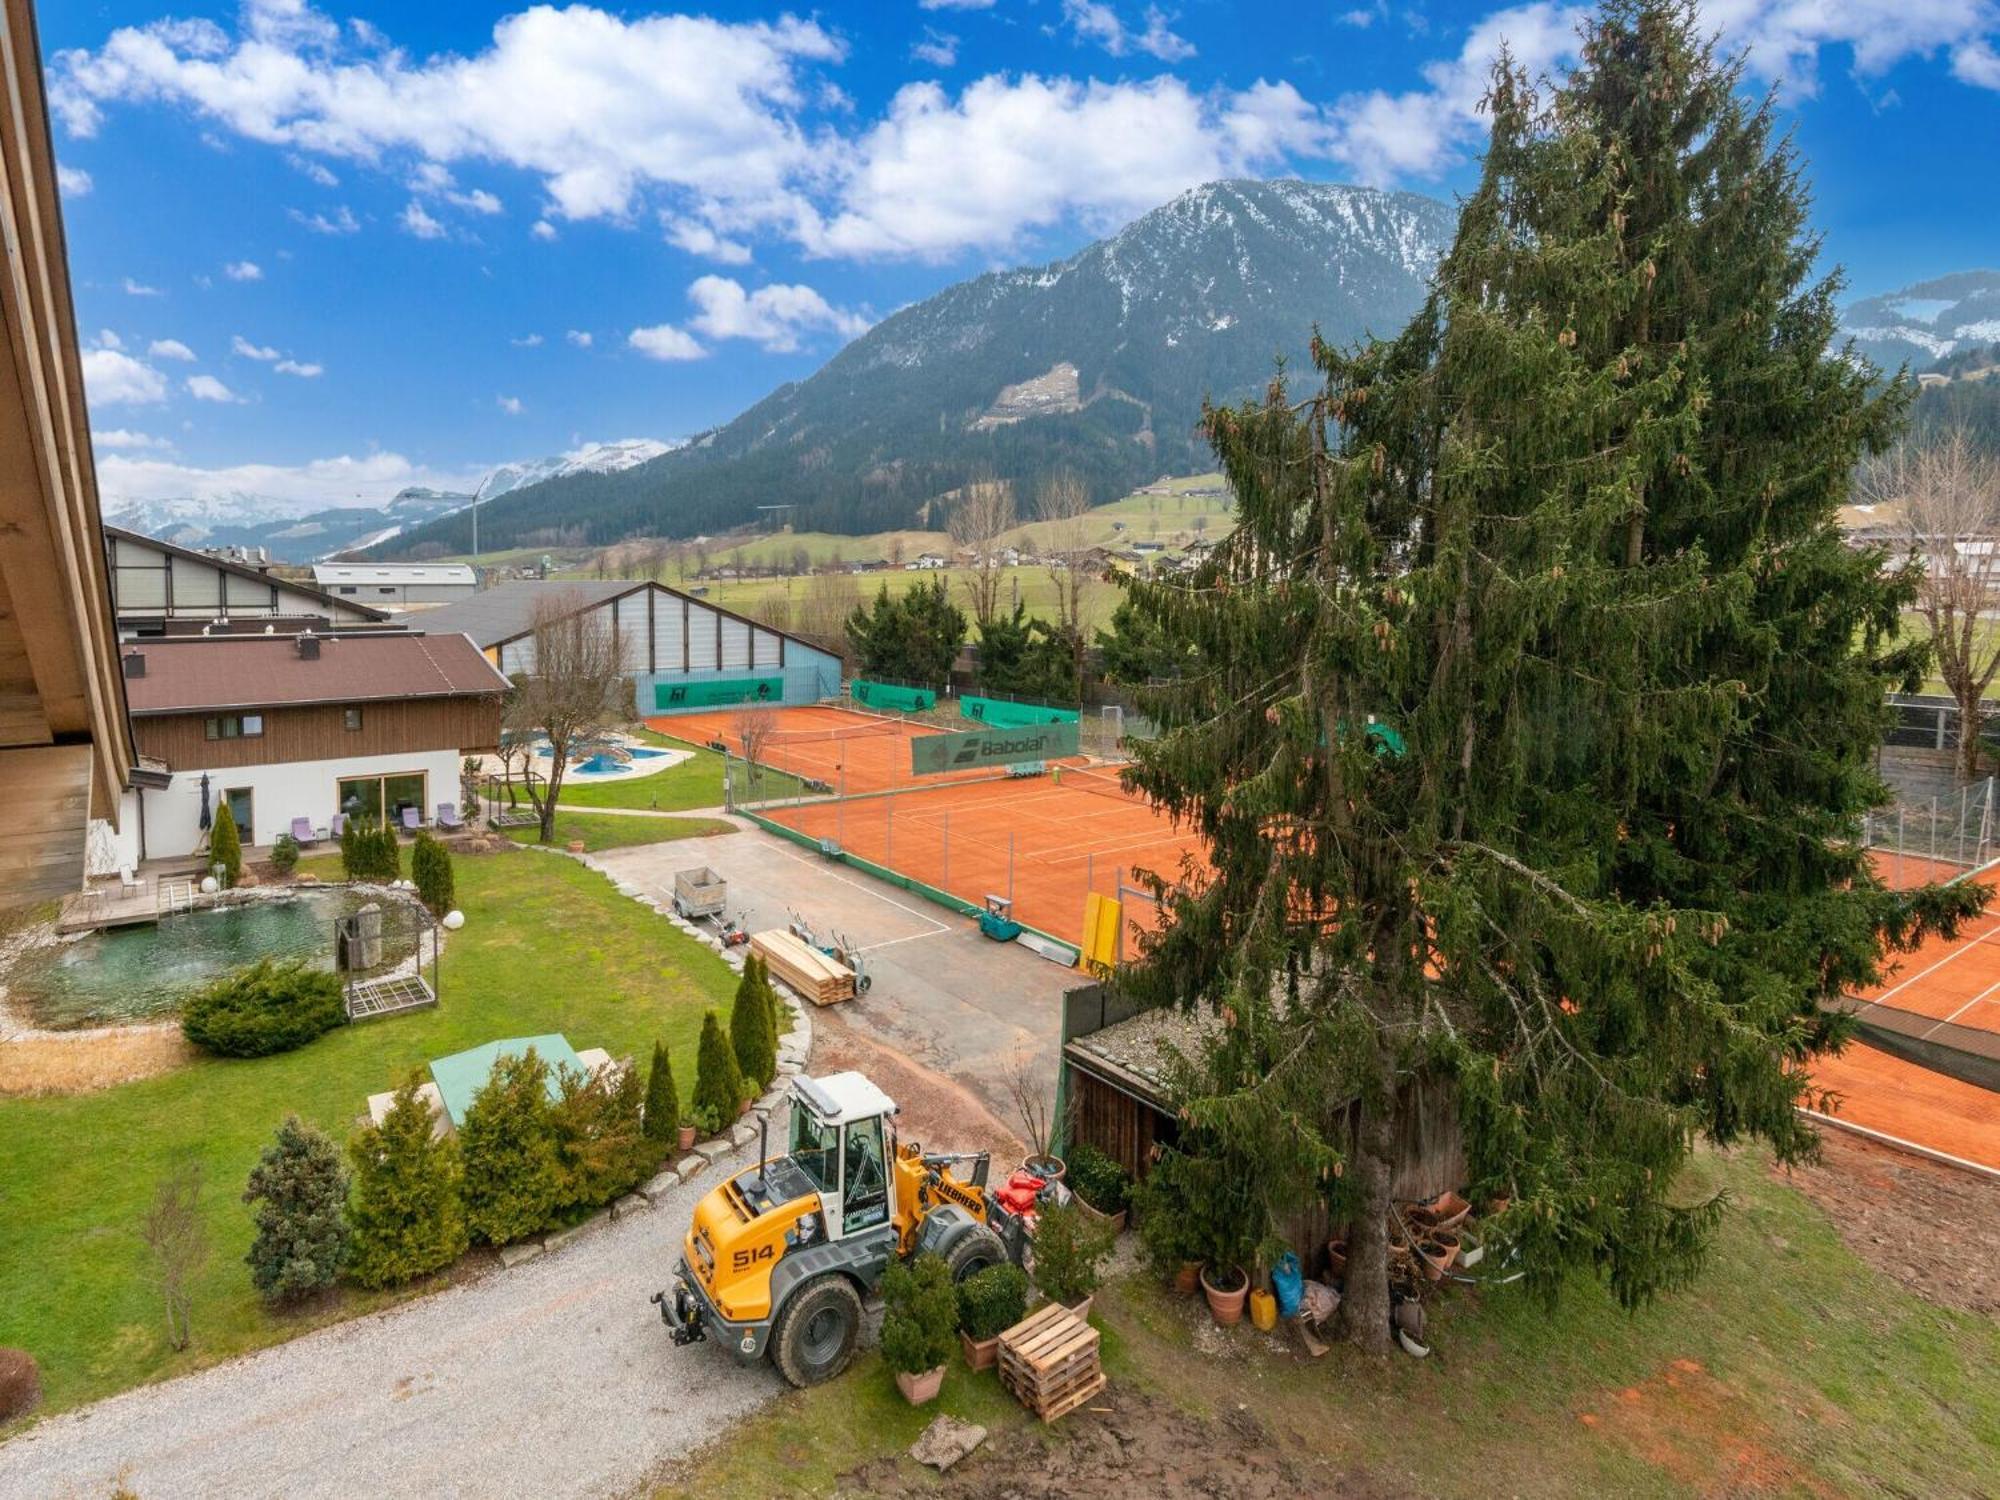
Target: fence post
(1899, 844)
(944, 882)
(1964, 798)
(1010, 868)
(1932, 872)
(889, 830)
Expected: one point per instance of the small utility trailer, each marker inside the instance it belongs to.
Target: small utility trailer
(699, 893)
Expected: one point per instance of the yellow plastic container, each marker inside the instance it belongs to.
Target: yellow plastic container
(1264, 1310)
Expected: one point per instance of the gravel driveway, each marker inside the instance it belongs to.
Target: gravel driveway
(553, 1379)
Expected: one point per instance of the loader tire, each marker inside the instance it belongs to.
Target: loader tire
(978, 1248)
(816, 1330)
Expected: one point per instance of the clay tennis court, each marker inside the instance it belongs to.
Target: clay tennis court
(1043, 842)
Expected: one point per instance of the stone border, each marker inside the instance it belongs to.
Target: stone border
(794, 1052)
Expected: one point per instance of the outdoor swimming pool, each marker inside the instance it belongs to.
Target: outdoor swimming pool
(144, 973)
(602, 764)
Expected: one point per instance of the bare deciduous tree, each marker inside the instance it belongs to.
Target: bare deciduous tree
(985, 510)
(1947, 490)
(753, 727)
(822, 610)
(176, 1242)
(576, 690)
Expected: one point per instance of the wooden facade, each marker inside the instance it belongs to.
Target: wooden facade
(319, 732)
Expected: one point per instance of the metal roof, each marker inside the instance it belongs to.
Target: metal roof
(841, 1097)
(331, 573)
(464, 1074)
(255, 575)
(506, 611)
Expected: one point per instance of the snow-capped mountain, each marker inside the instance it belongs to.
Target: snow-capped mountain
(592, 458)
(1097, 365)
(1930, 321)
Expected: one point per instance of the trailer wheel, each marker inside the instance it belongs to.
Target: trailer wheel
(816, 1330)
(978, 1248)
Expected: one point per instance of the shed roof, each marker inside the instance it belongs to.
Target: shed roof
(255, 575)
(192, 674)
(464, 1074)
(326, 574)
(506, 611)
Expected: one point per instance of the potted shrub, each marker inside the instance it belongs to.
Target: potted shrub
(1032, 1105)
(686, 1134)
(1100, 1186)
(989, 1303)
(1163, 1224)
(1069, 1253)
(285, 854)
(919, 1321)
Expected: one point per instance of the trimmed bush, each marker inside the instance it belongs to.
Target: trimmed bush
(285, 854)
(267, 1008)
(601, 1149)
(1069, 1252)
(20, 1384)
(300, 1191)
(1098, 1180)
(663, 1101)
(751, 1034)
(992, 1301)
(920, 1315)
(405, 1212)
(513, 1179)
(430, 868)
(225, 844)
(369, 851)
(718, 1083)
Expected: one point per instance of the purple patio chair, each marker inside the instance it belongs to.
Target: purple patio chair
(339, 825)
(448, 816)
(302, 833)
(413, 819)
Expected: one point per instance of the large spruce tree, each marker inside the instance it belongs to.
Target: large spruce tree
(1572, 537)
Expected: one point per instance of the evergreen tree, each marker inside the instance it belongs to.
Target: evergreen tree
(405, 1211)
(600, 1144)
(430, 868)
(1573, 535)
(718, 1083)
(352, 861)
(513, 1180)
(751, 1036)
(663, 1100)
(1028, 658)
(912, 638)
(300, 1190)
(1136, 650)
(225, 845)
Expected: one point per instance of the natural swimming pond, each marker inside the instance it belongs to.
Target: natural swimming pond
(144, 973)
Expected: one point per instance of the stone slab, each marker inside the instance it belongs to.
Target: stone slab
(661, 1185)
(690, 1166)
(518, 1254)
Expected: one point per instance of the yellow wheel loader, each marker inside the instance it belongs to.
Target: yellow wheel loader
(780, 1256)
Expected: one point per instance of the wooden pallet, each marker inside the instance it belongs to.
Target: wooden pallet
(1049, 1360)
(820, 979)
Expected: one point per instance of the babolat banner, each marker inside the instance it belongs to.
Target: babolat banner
(892, 697)
(932, 753)
(714, 692)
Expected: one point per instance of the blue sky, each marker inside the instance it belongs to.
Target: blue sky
(322, 251)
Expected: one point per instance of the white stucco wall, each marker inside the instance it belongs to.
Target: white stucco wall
(279, 793)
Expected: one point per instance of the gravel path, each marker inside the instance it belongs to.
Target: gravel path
(553, 1379)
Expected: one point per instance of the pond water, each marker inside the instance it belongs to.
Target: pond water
(144, 973)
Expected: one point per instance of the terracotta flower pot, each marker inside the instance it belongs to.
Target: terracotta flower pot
(576, 846)
(743, 1109)
(1186, 1278)
(1439, 1251)
(1446, 1211)
(1082, 1308)
(1048, 1168)
(980, 1354)
(1116, 1221)
(1226, 1307)
(1336, 1258)
(687, 1137)
(917, 1389)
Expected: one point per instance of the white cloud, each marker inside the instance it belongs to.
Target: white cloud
(240, 345)
(1094, 21)
(314, 170)
(578, 337)
(698, 239)
(512, 405)
(303, 371)
(139, 288)
(340, 221)
(208, 388)
(319, 484)
(543, 230)
(171, 349)
(774, 316)
(1362, 18)
(416, 221)
(106, 339)
(74, 181)
(243, 270)
(124, 439)
(954, 4)
(938, 48)
(529, 341)
(111, 378)
(1978, 64)
(434, 178)
(665, 342)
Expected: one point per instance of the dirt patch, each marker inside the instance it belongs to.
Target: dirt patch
(65, 1063)
(1127, 1443)
(1928, 1226)
(1693, 1428)
(944, 1115)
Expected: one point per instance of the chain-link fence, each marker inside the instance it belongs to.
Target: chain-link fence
(1935, 839)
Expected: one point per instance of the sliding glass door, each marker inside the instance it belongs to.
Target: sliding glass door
(371, 798)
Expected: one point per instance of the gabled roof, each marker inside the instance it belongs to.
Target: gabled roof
(506, 612)
(203, 674)
(173, 549)
(392, 573)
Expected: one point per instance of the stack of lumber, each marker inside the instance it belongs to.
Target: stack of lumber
(810, 972)
(1049, 1361)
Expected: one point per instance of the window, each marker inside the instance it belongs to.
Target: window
(374, 798)
(385, 591)
(348, 588)
(866, 1199)
(815, 1147)
(235, 726)
(350, 718)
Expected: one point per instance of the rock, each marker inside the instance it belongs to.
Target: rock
(946, 1441)
(631, 1203)
(743, 1135)
(787, 1069)
(713, 1151)
(770, 1101)
(514, 1255)
(690, 1166)
(661, 1185)
(596, 1221)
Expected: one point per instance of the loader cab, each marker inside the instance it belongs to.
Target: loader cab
(842, 1141)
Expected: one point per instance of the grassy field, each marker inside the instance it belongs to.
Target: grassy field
(610, 831)
(696, 782)
(1030, 583)
(547, 946)
(1793, 1367)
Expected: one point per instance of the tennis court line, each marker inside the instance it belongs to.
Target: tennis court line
(910, 911)
(1958, 951)
(1982, 995)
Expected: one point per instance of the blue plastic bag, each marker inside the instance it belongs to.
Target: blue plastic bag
(1287, 1284)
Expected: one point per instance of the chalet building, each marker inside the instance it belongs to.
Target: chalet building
(65, 749)
(158, 588)
(681, 652)
(294, 727)
(396, 586)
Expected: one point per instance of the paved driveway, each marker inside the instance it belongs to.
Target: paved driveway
(553, 1379)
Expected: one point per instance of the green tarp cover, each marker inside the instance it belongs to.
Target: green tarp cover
(1002, 714)
(463, 1074)
(991, 746)
(892, 698)
(712, 692)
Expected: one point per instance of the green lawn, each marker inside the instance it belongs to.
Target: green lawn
(610, 831)
(693, 783)
(547, 946)
(1791, 1367)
